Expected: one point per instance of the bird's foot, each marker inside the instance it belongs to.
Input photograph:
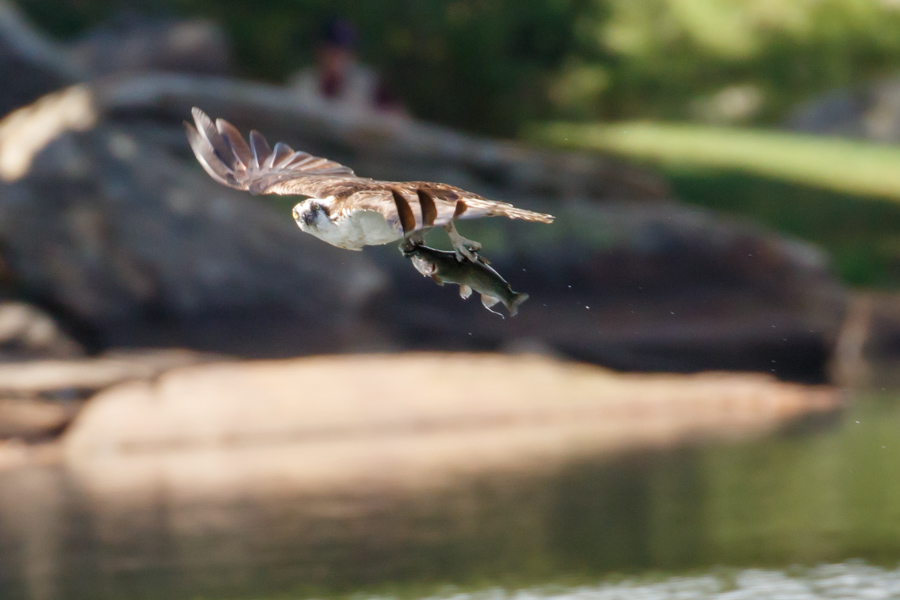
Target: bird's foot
(464, 248)
(467, 249)
(411, 242)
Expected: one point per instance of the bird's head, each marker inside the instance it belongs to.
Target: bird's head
(311, 216)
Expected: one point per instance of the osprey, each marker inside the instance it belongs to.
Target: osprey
(341, 208)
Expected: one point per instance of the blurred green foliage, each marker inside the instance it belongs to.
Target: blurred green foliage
(490, 65)
(841, 194)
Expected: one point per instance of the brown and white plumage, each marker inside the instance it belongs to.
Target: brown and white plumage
(341, 208)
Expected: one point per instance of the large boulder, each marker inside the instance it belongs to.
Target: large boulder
(425, 411)
(106, 217)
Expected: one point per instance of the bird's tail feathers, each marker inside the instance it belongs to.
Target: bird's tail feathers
(526, 215)
(480, 207)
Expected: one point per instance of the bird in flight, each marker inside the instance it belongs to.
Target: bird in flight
(340, 207)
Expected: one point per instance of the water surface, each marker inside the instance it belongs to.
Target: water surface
(825, 492)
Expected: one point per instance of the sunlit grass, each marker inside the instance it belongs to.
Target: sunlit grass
(853, 167)
(843, 195)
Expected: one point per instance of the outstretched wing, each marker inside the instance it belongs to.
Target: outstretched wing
(259, 169)
(256, 167)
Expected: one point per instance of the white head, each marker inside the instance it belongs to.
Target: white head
(350, 231)
(312, 217)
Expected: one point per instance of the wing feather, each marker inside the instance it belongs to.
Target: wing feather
(207, 158)
(261, 150)
(282, 151)
(236, 142)
(213, 138)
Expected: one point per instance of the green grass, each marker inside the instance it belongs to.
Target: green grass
(843, 195)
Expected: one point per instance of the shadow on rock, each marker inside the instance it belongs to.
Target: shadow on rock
(123, 234)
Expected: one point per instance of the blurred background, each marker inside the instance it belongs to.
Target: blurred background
(699, 399)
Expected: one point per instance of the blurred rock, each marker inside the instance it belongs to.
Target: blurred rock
(112, 230)
(76, 379)
(27, 332)
(133, 43)
(867, 352)
(40, 397)
(30, 419)
(339, 417)
(31, 63)
(28, 130)
(871, 112)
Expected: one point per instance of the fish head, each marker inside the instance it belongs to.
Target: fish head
(424, 266)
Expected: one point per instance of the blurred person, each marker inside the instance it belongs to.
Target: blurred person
(337, 78)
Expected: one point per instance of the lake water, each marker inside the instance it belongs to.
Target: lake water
(725, 520)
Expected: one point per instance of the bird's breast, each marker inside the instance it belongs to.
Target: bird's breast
(358, 229)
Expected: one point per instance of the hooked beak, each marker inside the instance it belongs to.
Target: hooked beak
(307, 217)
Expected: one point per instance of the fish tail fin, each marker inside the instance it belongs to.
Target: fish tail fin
(488, 302)
(514, 305)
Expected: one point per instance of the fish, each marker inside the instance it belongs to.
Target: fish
(448, 267)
